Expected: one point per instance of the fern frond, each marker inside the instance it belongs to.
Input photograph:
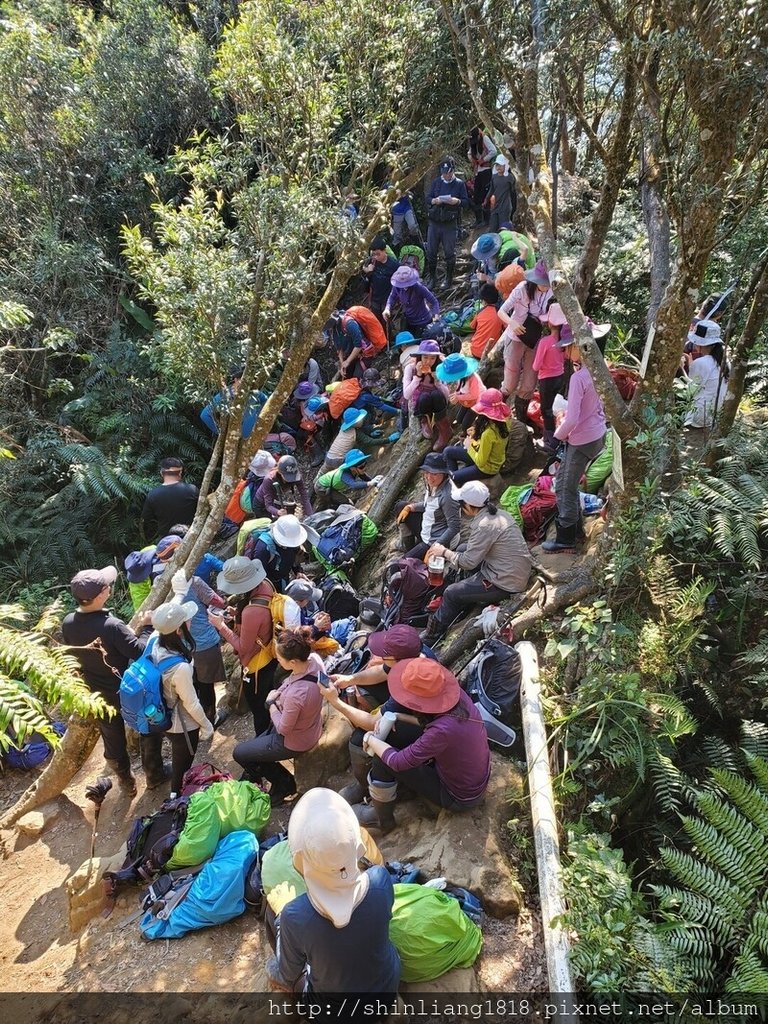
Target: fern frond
(749, 799)
(700, 877)
(692, 906)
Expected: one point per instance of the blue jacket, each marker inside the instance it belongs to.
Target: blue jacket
(446, 213)
(251, 412)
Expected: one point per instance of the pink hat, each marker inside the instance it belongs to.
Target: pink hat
(554, 316)
(405, 277)
(492, 405)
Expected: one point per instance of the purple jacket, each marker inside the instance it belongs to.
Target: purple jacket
(418, 304)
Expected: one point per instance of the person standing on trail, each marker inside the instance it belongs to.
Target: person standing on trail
(104, 646)
(171, 502)
(378, 274)
(480, 154)
(502, 195)
(445, 200)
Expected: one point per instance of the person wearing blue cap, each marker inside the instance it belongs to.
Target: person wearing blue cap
(445, 200)
(484, 251)
(345, 440)
(333, 488)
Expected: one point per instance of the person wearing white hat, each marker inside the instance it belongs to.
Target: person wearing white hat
(282, 491)
(278, 550)
(335, 936)
(495, 555)
(189, 723)
(707, 380)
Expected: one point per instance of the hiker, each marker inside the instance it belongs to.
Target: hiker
(259, 468)
(378, 275)
(104, 646)
(461, 373)
(502, 194)
(484, 250)
(583, 428)
(436, 519)
(171, 502)
(189, 724)
(369, 400)
(496, 555)
(486, 439)
(334, 938)
(358, 337)
(220, 405)
(207, 662)
(486, 326)
(438, 746)
(515, 245)
(706, 376)
(308, 598)
(333, 488)
(522, 313)
(251, 638)
(295, 711)
(426, 396)
(549, 366)
(138, 572)
(445, 200)
(278, 549)
(403, 217)
(411, 295)
(282, 491)
(346, 439)
(480, 154)
(509, 277)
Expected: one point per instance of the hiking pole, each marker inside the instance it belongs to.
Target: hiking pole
(97, 793)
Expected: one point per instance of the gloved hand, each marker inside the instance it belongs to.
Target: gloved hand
(394, 436)
(206, 732)
(179, 583)
(404, 514)
(377, 480)
(375, 433)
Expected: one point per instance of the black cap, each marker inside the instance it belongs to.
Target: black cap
(434, 463)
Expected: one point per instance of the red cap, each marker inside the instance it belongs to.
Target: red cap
(422, 684)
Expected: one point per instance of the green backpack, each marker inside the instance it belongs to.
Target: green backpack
(431, 933)
(413, 256)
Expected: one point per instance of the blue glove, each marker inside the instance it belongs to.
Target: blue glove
(394, 436)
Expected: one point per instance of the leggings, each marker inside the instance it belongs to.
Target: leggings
(549, 387)
(255, 690)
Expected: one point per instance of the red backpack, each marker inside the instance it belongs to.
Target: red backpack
(201, 776)
(538, 512)
(374, 338)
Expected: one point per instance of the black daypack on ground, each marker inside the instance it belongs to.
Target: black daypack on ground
(492, 680)
(150, 844)
(339, 598)
(353, 658)
(405, 592)
(341, 543)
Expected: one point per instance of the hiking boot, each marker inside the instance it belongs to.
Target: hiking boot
(433, 631)
(126, 780)
(444, 434)
(450, 269)
(565, 539)
(360, 764)
(318, 455)
(156, 781)
(376, 816)
(426, 428)
(430, 279)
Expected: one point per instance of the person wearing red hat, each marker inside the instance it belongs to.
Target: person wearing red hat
(488, 437)
(447, 762)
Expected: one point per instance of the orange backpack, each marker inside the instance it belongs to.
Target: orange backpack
(342, 396)
(234, 510)
(374, 338)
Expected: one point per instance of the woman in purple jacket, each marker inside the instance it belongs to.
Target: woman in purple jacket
(583, 430)
(419, 305)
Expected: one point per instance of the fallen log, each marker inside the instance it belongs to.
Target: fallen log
(414, 448)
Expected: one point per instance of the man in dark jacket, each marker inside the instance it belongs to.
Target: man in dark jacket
(436, 519)
(445, 200)
(378, 274)
(104, 645)
(171, 502)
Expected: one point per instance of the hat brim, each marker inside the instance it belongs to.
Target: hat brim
(186, 611)
(600, 330)
(407, 341)
(404, 280)
(304, 398)
(424, 468)
(498, 414)
(702, 342)
(435, 705)
(420, 352)
(536, 278)
(223, 584)
(284, 542)
(353, 423)
(448, 377)
(355, 462)
(109, 572)
(478, 255)
(291, 478)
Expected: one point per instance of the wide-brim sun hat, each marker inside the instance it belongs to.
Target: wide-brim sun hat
(538, 274)
(240, 574)
(326, 846)
(486, 245)
(169, 617)
(305, 391)
(354, 458)
(429, 347)
(288, 532)
(405, 277)
(261, 463)
(138, 565)
(352, 417)
(705, 334)
(303, 590)
(400, 642)
(424, 685)
(405, 338)
(491, 404)
(456, 367)
(434, 462)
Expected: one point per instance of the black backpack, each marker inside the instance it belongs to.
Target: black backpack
(150, 845)
(493, 680)
(341, 543)
(339, 598)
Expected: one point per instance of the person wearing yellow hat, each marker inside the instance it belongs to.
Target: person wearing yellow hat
(334, 938)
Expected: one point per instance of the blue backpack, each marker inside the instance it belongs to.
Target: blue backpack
(141, 692)
(341, 542)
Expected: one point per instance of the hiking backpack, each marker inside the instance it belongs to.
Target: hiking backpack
(441, 332)
(279, 444)
(353, 658)
(201, 776)
(150, 845)
(343, 395)
(405, 591)
(141, 692)
(339, 598)
(34, 751)
(538, 512)
(341, 543)
(374, 337)
(413, 256)
(492, 680)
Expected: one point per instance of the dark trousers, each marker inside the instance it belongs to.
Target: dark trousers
(410, 530)
(181, 755)
(260, 758)
(255, 689)
(549, 387)
(424, 781)
(458, 597)
(482, 184)
(329, 499)
(465, 417)
(457, 454)
(441, 234)
(115, 749)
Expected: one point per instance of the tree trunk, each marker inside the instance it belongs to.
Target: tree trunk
(653, 181)
(76, 747)
(414, 448)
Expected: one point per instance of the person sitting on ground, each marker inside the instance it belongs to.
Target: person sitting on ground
(104, 645)
(378, 274)
(340, 485)
(259, 468)
(502, 194)
(706, 375)
(189, 724)
(549, 365)
(308, 598)
(282, 492)
(171, 502)
(486, 326)
(515, 246)
(438, 746)
(522, 313)
(221, 404)
(496, 555)
(425, 395)
(295, 709)
(334, 938)
(418, 304)
(251, 630)
(436, 519)
(487, 441)
(583, 427)
(278, 549)
(468, 388)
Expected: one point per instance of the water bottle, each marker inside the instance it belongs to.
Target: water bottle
(153, 714)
